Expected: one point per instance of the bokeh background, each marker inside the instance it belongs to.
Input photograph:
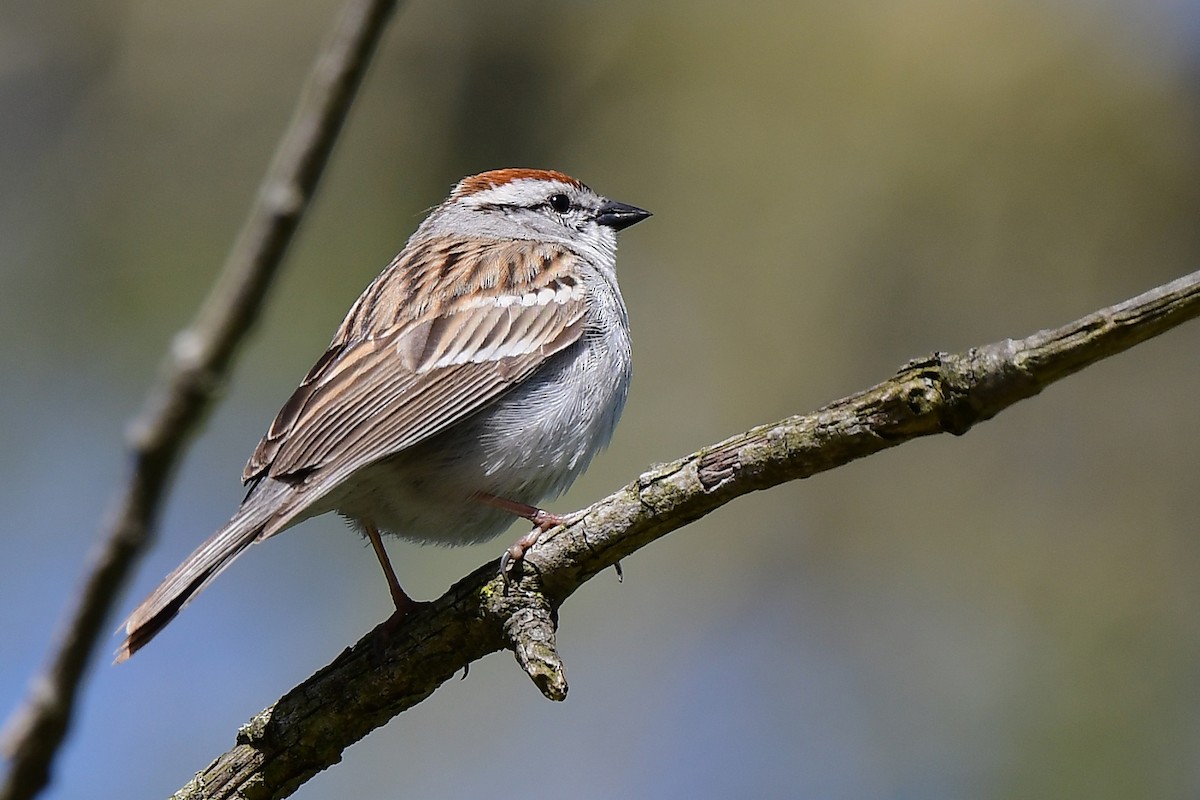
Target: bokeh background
(837, 187)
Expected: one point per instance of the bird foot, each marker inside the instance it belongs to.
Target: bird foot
(515, 553)
(542, 521)
(400, 616)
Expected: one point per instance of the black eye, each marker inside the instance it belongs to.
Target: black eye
(560, 203)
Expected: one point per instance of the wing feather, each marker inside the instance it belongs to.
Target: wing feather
(377, 392)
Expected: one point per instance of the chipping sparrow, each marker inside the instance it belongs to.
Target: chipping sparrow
(478, 374)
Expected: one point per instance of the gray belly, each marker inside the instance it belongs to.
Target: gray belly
(527, 446)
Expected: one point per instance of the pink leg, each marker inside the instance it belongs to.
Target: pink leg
(404, 603)
(542, 522)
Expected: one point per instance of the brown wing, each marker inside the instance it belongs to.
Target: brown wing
(371, 397)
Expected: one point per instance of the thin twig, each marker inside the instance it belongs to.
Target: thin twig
(393, 669)
(199, 361)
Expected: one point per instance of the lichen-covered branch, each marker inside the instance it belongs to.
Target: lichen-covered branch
(394, 668)
(199, 361)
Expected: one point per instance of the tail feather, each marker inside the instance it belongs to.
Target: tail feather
(257, 519)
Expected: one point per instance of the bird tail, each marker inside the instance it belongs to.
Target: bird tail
(256, 519)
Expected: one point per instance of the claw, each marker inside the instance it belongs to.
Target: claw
(542, 521)
(516, 551)
(505, 560)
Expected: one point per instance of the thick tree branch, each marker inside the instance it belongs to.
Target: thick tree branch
(199, 361)
(389, 671)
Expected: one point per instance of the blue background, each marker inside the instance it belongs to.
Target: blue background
(837, 188)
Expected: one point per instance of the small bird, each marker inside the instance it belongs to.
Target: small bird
(477, 375)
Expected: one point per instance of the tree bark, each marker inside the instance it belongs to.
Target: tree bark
(200, 359)
(392, 669)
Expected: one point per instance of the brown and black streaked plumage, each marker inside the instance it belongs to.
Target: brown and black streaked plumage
(490, 359)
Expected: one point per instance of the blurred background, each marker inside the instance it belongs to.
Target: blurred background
(837, 187)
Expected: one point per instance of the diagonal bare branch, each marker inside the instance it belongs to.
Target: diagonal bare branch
(389, 671)
(199, 361)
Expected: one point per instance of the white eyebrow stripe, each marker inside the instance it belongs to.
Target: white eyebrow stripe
(516, 192)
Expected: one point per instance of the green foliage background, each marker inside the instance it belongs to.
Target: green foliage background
(837, 187)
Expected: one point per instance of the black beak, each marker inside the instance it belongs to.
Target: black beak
(620, 216)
